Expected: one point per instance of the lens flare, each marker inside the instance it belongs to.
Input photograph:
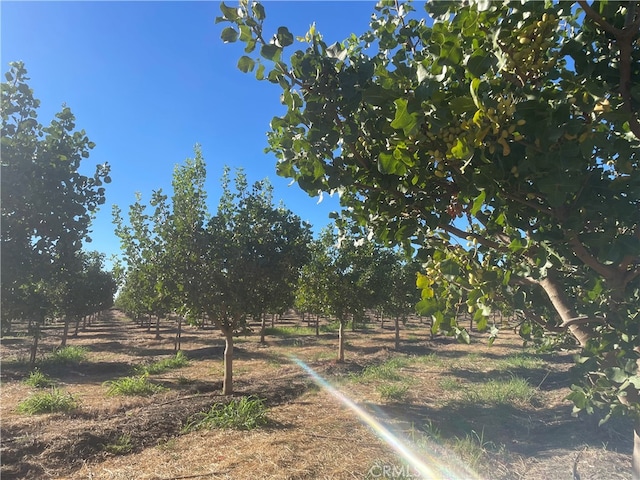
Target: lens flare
(429, 465)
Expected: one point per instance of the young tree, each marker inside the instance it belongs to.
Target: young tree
(149, 281)
(47, 205)
(399, 295)
(254, 253)
(511, 124)
(226, 267)
(343, 264)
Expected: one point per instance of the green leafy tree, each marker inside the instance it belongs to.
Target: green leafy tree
(510, 125)
(47, 205)
(149, 282)
(340, 275)
(399, 295)
(240, 262)
(95, 290)
(254, 251)
(312, 286)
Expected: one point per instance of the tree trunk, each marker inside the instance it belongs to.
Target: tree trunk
(158, 327)
(635, 459)
(263, 326)
(396, 323)
(341, 342)
(227, 383)
(273, 320)
(177, 345)
(317, 325)
(34, 346)
(581, 332)
(65, 333)
(77, 329)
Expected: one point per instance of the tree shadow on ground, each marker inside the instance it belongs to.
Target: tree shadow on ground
(544, 379)
(521, 431)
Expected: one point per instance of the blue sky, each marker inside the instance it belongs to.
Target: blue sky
(149, 80)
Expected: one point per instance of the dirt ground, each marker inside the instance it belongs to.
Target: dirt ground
(311, 432)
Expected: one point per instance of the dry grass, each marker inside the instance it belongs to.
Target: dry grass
(309, 434)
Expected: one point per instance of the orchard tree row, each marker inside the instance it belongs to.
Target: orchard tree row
(47, 207)
(249, 259)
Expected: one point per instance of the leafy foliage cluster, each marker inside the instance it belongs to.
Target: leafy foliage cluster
(47, 207)
(250, 259)
(512, 126)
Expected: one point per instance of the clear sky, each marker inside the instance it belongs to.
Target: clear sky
(149, 80)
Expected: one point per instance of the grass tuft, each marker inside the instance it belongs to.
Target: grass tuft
(121, 446)
(48, 402)
(385, 371)
(245, 413)
(474, 449)
(38, 379)
(285, 331)
(394, 393)
(179, 360)
(71, 355)
(133, 386)
(519, 361)
(515, 390)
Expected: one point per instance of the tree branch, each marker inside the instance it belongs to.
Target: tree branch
(624, 38)
(483, 240)
(561, 305)
(588, 259)
(598, 19)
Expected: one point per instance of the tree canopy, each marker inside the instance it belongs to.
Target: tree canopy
(509, 125)
(47, 207)
(243, 261)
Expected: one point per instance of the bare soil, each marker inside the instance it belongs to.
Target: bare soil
(311, 434)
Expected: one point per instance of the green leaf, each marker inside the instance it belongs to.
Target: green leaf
(461, 105)
(405, 121)
(336, 50)
(246, 64)
(427, 306)
(388, 164)
(229, 35)
(245, 33)
(473, 88)
(462, 335)
(284, 37)
(230, 13)
(478, 202)
(480, 62)
(258, 11)
(437, 319)
(271, 52)
(616, 374)
(516, 245)
(578, 397)
(461, 149)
